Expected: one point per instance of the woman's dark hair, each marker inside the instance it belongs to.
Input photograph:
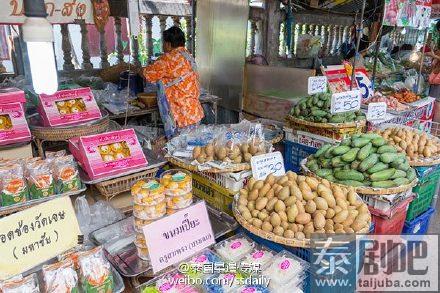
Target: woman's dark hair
(174, 36)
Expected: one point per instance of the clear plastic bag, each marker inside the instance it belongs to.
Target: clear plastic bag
(60, 277)
(13, 187)
(28, 284)
(65, 172)
(40, 180)
(95, 271)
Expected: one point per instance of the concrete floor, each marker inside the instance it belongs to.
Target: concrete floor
(434, 224)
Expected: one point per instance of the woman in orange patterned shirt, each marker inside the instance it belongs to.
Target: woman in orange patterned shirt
(179, 87)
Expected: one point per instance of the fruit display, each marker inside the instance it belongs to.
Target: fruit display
(362, 160)
(230, 152)
(405, 96)
(294, 206)
(316, 108)
(416, 144)
(392, 103)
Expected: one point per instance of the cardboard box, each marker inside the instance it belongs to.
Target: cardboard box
(110, 153)
(12, 95)
(20, 152)
(13, 124)
(68, 107)
(74, 149)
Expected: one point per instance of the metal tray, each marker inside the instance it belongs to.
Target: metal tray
(120, 250)
(20, 206)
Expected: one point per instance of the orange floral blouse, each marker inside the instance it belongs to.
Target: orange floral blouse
(182, 97)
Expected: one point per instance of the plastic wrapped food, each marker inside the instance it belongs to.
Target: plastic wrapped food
(95, 272)
(28, 284)
(71, 255)
(53, 155)
(170, 283)
(255, 289)
(194, 267)
(146, 212)
(180, 201)
(13, 187)
(60, 277)
(40, 180)
(66, 174)
(285, 268)
(223, 283)
(259, 255)
(148, 193)
(140, 238)
(140, 223)
(176, 182)
(234, 248)
(142, 250)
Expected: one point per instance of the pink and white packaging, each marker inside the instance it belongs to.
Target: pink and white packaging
(95, 150)
(13, 124)
(12, 95)
(74, 149)
(68, 107)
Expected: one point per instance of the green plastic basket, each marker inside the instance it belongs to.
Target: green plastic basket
(425, 191)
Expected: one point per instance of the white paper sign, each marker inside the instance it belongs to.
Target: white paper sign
(365, 85)
(271, 163)
(176, 237)
(312, 140)
(377, 111)
(346, 102)
(317, 84)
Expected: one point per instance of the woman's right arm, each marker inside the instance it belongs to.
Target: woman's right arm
(156, 71)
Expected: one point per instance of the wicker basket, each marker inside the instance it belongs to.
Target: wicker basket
(193, 168)
(113, 187)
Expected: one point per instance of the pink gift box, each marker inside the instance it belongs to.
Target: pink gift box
(68, 107)
(110, 153)
(12, 95)
(13, 124)
(74, 149)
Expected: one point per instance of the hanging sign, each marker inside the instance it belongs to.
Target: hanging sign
(59, 11)
(364, 83)
(317, 84)
(178, 236)
(35, 235)
(377, 111)
(346, 102)
(270, 163)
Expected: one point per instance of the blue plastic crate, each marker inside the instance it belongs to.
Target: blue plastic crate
(294, 153)
(420, 225)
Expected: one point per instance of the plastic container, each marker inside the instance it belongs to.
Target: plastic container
(169, 282)
(140, 239)
(142, 250)
(140, 223)
(390, 225)
(254, 289)
(147, 212)
(425, 191)
(148, 193)
(224, 283)
(196, 266)
(176, 182)
(180, 201)
(258, 255)
(235, 247)
(294, 153)
(420, 225)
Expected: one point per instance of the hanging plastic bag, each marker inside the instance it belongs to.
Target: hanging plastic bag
(165, 112)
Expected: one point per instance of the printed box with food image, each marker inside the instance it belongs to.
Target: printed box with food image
(110, 153)
(13, 124)
(68, 107)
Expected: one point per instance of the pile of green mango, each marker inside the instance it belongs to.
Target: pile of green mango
(316, 108)
(362, 160)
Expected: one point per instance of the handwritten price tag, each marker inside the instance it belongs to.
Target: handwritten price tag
(271, 163)
(317, 84)
(178, 236)
(346, 102)
(377, 111)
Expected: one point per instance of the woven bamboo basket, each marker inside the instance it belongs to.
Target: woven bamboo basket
(194, 168)
(277, 138)
(113, 187)
(68, 132)
(292, 242)
(354, 124)
(365, 189)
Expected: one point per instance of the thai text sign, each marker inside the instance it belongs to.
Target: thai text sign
(346, 102)
(377, 111)
(59, 11)
(317, 84)
(36, 235)
(178, 236)
(270, 163)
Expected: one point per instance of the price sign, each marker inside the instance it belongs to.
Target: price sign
(346, 102)
(376, 111)
(364, 84)
(271, 163)
(178, 236)
(317, 84)
(35, 235)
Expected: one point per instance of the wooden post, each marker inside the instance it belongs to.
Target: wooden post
(273, 18)
(162, 25)
(103, 48)
(253, 32)
(86, 64)
(176, 21)
(135, 51)
(189, 33)
(67, 48)
(119, 44)
(149, 34)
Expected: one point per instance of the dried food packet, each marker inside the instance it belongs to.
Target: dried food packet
(13, 187)
(60, 277)
(95, 272)
(40, 180)
(66, 174)
(28, 284)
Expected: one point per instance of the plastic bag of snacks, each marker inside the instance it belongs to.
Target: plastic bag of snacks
(40, 180)
(66, 174)
(95, 272)
(28, 284)
(60, 277)
(13, 188)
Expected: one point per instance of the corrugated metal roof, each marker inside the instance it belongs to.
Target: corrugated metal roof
(165, 7)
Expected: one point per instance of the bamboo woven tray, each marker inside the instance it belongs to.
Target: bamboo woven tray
(277, 138)
(194, 168)
(365, 189)
(67, 132)
(113, 187)
(305, 243)
(354, 124)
